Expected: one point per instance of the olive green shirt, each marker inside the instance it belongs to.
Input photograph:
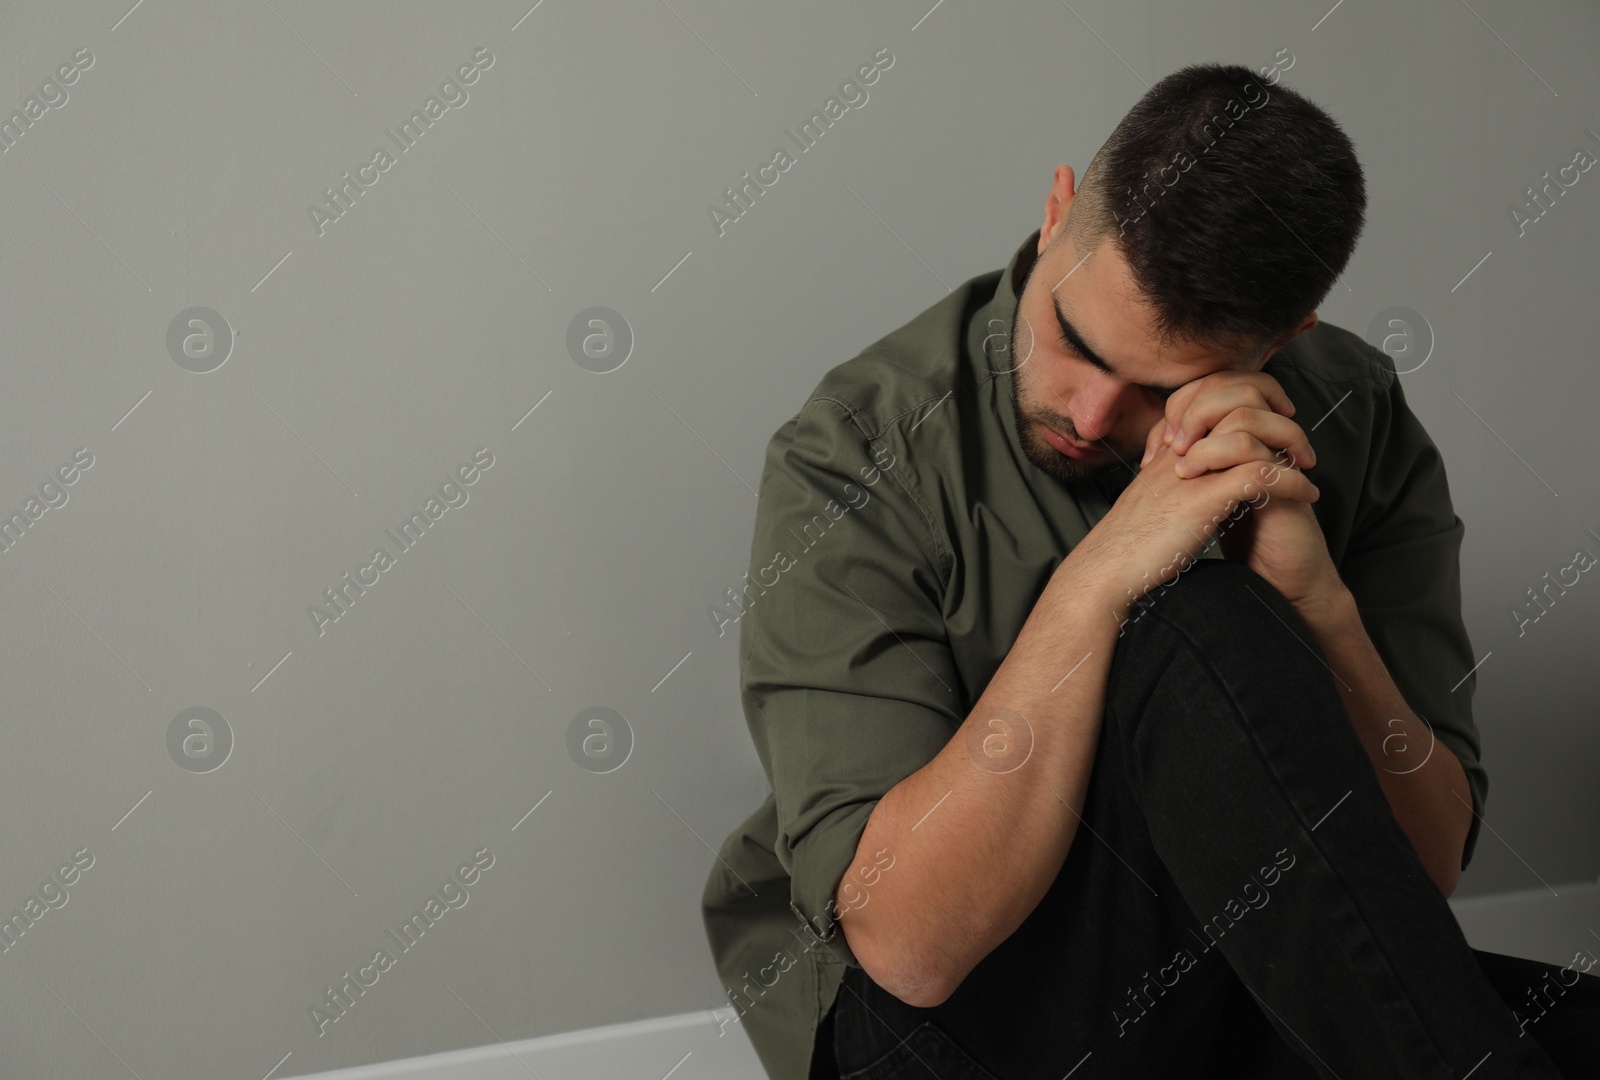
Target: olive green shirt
(901, 541)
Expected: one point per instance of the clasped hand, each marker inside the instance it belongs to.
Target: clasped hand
(1229, 419)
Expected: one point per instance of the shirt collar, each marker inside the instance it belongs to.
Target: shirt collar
(989, 332)
(988, 335)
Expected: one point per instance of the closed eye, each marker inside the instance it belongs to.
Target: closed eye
(1160, 393)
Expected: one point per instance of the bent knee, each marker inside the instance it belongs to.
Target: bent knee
(1217, 603)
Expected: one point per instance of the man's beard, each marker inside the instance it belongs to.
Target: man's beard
(1111, 476)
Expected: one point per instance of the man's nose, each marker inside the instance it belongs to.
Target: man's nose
(1095, 412)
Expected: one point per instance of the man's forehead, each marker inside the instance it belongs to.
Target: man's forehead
(1097, 281)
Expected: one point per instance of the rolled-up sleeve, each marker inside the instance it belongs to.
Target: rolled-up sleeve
(847, 679)
(1403, 567)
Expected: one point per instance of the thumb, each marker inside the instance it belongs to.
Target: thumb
(1153, 442)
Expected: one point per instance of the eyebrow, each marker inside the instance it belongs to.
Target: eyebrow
(1081, 347)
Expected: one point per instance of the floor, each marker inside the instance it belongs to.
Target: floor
(1551, 924)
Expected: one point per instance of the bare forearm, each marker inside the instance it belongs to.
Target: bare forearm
(1424, 783)
(979, 833)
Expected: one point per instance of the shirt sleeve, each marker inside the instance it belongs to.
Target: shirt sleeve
(1403, 567)
(847, 678)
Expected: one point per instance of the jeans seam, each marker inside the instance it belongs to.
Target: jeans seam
(1446, 1073)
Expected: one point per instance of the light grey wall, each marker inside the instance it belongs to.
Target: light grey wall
(370, 761)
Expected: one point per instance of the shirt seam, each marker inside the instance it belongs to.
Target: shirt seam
(944, 558)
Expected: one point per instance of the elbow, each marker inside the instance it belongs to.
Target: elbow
(917, 977)
(919, 987)
(926, 995)
(1446, 871)
(1443, 867)
(1447, 877)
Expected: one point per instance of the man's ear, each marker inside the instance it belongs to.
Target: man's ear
(1309, 321)
(1057, 204)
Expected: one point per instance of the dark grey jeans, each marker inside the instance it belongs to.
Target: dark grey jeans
(1238, 903)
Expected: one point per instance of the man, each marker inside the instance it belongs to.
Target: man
(1102, 741)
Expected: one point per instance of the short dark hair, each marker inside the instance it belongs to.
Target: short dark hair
(1235, 204)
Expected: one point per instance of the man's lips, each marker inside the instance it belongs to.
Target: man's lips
(1071, 447)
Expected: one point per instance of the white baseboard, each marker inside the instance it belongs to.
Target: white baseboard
(686, 1046)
